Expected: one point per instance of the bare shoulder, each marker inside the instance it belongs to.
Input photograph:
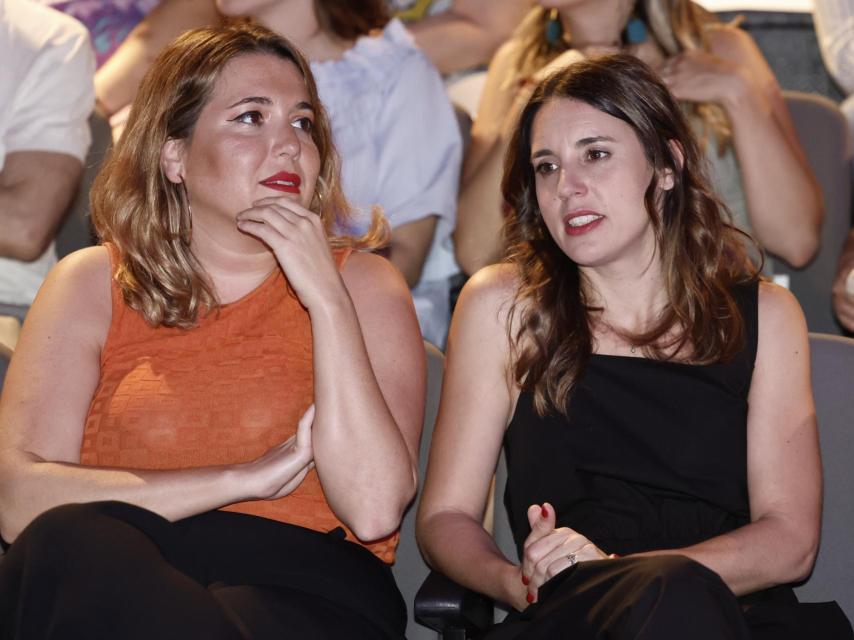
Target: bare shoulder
(491, 288)
(85, 274)
(77, 293)
(483, 312)
(382, 300)
(367, 274)
(781, 320)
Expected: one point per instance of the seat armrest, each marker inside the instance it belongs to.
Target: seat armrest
(445, 606)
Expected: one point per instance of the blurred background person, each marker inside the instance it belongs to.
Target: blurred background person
(734, 102)
(46, 96)
(127, 35)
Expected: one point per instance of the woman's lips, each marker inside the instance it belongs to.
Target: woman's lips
(283, 181)
(577, 224)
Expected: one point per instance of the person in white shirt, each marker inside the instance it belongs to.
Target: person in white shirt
(46, 96)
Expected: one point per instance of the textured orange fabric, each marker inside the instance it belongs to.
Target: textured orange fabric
(223, 392)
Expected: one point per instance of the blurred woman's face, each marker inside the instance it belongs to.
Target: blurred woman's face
(252, 140)
(591, 176)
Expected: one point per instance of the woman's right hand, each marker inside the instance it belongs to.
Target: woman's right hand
(281, 470)
(548, 551)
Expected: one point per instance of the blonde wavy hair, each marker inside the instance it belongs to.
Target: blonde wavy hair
(676, 25)
(146, 216)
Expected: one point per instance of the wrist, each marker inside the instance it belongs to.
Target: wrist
(513, 589)
(741, 94)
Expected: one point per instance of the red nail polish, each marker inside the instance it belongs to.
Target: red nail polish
(526, 580)
(530, 598)
(544, 512)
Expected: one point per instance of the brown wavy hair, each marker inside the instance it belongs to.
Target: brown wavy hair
(676, 25)
(349, 19)
(146, 216)
(702, 254)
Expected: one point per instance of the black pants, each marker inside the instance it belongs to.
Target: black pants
(662, 598)
(112, 570)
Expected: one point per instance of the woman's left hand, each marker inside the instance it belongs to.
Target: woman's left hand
(547, 551)
(297, 238)
(699, 76)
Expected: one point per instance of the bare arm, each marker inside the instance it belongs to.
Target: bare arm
(370, 381)
(369, 368)
(467, 442)
(46, 396)
(467, 34)
(36, 188)
(410, 244)
(117, 80)
(843, 296)
(477, 237)
(783, 198)
(783, 461)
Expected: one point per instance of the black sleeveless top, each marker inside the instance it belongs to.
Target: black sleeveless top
(653, 455)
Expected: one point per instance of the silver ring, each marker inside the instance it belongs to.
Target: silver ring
(572, 559)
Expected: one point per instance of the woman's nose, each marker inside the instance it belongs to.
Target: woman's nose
(288, 143)
(571, 183)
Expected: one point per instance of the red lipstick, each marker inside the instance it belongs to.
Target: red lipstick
(582, 221)
(283, 181)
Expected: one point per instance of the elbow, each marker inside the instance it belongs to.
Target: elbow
(29, 243)
(802, 563)
(471, 258)
(377, 525)
(377, 528)
(802, 250)
(381, 519)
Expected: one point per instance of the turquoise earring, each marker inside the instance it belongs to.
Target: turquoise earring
(635, 31)
(554, 29)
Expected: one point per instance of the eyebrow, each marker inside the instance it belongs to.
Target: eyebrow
(266, 101)
(256, 99)
(583, 142)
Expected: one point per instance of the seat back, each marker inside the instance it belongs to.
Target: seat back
(409, 568)
(825, 137)
(833, 388)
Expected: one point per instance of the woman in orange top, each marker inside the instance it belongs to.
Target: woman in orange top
(210, 426)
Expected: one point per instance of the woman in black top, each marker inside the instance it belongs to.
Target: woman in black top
(653, 396)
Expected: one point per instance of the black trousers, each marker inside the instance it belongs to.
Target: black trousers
(662, 598)
(112, 570)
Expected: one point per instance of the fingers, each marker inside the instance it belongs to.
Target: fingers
(304, 428)
(279, 217)
(294, 482)
(542, 521)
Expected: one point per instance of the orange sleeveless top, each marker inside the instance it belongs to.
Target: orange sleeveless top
(223, 392)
